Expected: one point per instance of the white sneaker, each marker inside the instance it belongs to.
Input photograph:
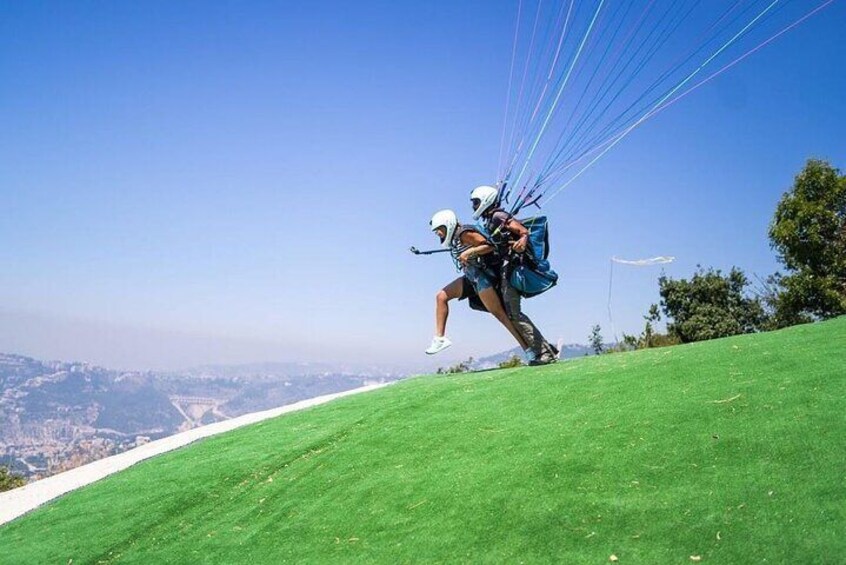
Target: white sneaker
(438, 345)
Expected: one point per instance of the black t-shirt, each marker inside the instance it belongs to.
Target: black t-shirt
(497, 226)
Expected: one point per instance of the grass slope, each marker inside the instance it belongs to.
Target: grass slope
(730, 450)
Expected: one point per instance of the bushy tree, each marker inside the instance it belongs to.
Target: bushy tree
(808, 232)
(595, 339)
(8, 480)
(629, 343)
(649, 330)
(710, 305)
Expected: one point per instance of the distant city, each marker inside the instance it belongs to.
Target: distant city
(58, 415)
(55, 416)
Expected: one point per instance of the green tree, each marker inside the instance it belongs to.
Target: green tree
(595, 339)
(709, 305)
(808, 232)
(652, 317)
(629, 343)
(8, 481)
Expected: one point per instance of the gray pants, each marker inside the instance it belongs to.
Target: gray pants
(531, 334)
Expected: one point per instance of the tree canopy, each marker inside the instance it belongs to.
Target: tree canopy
(808, 232)
(710, 305)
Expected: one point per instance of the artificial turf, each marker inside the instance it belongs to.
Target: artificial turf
(728, 451)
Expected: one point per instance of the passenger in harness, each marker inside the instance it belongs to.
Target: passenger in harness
(511, 240)
(472, 254)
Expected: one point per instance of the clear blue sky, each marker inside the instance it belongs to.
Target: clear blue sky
(254, 172)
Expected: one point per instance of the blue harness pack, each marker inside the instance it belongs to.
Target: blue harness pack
(530, 272)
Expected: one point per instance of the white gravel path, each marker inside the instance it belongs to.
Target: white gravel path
(15, 503)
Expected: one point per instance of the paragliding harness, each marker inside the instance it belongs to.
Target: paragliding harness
(491, 271)
(530, 272)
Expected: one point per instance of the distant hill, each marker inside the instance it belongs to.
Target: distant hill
(727, 451)
(568, 351)
(298, 370)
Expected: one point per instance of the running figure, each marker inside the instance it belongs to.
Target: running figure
(472, 252)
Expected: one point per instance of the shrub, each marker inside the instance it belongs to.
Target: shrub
(511, 362)
(8, 480)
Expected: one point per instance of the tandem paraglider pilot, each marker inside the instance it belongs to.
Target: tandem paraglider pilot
(520, 255)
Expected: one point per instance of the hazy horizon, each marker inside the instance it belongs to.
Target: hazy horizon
(123, 347)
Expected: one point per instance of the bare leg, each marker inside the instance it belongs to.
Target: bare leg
(447, 293)
(492, 302)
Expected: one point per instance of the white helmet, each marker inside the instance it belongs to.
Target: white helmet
(445, 219)
(486, 197)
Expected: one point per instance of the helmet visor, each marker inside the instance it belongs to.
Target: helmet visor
(476, 202)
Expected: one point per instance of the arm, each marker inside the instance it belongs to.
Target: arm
(478, 246)
(520, 233)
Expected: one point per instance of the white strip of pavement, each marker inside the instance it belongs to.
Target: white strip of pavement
(19, 501)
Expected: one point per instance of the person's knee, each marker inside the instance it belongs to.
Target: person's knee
(441, 297)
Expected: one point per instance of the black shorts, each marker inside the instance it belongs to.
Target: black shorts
(469, 292)
(467, 289)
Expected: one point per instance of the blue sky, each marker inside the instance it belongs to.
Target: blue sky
(249, 176)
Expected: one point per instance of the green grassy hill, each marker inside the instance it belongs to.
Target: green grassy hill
(729, 451)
